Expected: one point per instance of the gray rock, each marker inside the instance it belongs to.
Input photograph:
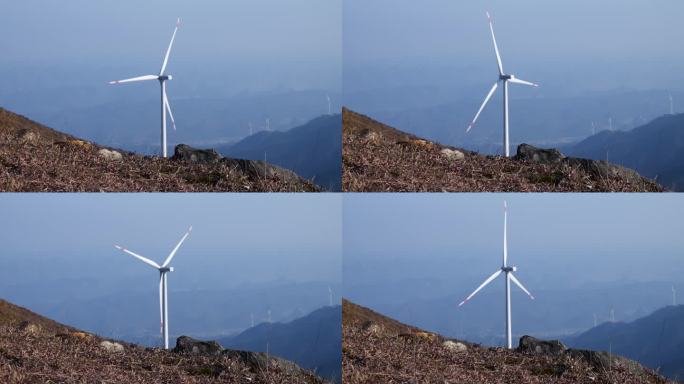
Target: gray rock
(186, 344)
(260, 361)
(109, 154)
(605, 361)
(532, 345)
(454, 346)
(452, 154)
(186, 152)
(111, 347)
(538, 155)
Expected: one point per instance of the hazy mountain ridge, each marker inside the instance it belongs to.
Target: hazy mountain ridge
(379, 158)
(313, 341)
(377, 349)
(654, 149)
(312, 150)
(656, 340)
(36, 349)
(37, 158)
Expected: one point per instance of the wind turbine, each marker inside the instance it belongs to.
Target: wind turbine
(162, 77)
(505, 79)
(163, 291)
(329, 106)
(508, 271)
(674, 295)
(330, 295)
(671, 106)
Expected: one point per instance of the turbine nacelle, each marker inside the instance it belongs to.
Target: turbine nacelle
(166, 269)
(165, 77)
(509, 269)
(505, 77)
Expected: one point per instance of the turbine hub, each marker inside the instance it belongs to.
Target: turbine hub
(166, 269)
(508, 269)
(165, 77)
(506, 77)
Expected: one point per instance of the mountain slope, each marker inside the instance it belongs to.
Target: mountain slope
(38, 350)
(313, 341)
(654, 150)
(36, 158)
(377, 349)
(656, 340)
(313, 150)
(379, 158)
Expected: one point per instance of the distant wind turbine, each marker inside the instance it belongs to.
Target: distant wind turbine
(508, 273)
(163, 291)
(671, 106)
(330, 295)
(674, 295)
(162, 77)
(612, 315)
(505, 79)
(269, 316)
(329, 106)
(251, 315)
(593, 128)
(595, 320)
(610, 123)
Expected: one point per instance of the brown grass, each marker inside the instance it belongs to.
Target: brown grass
(379, 158)
(34, 158)
(384, 357)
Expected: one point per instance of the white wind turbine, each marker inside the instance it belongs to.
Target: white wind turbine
(329, 105)
(674, 295)
(163, 291)
(162, 77)
(331, 299)
(671, 106)
(505, 79)
(508, 271)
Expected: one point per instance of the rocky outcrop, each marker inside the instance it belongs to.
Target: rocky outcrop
(109, 154)
(454, 346)
(111, 346)
(532, 345)
(452, 154)
(538, 155)
(186, 344)
(188, 153)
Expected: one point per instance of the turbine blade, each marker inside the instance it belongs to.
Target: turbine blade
(168, 108)
(486, 100)
(141, 258)
(489, 279)
(518, 81)
(173, 253)
(168, 50)
(161, 309)
(505, 237)
(519, 284)
(496, 47)
(139, 78)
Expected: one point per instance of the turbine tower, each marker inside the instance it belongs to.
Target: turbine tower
(163, 291)
(508, 273)
(671, 106)
(674, 295)
(162, 77)
(505, 79)
(329, 106)
(331, 299)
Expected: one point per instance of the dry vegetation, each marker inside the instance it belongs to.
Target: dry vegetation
(376, 349)
(34, 158)
(38, 350)
(379, 158)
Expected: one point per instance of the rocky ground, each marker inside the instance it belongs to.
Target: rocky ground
(379, 158)
(377, 349)
(35, 158)
(37, 350)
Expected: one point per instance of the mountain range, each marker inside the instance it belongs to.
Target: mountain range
(655, 149)
(312, 150)
(313, 341)
(656, 340)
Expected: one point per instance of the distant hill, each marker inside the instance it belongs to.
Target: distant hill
(313, 150)
(313, 341)
(655, 150)
(39, 159)
(379, 158)
(656, 340)
(377, 349)
(34, 349)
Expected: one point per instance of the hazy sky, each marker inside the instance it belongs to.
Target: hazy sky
(236, 239)
(569, 239)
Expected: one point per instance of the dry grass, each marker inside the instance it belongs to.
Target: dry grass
(378, 158)
(34, 158)
(379, 355)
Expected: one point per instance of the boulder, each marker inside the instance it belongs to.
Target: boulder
(452, 154)
(372, 327)
(111, 347)
(538, 155)
(188, 153)
(109, 154)
(29, 328)
(454, 346)
(186, 344)
(532, 345)
(261, 361)
(28, 137)
(601, 360)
